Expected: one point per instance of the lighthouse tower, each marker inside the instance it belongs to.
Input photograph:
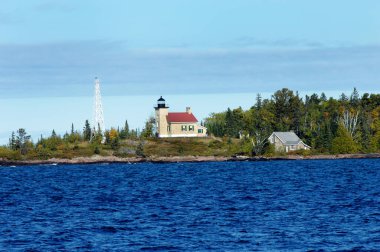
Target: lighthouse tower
(162, 111)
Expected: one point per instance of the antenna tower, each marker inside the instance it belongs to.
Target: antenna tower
(98, 108)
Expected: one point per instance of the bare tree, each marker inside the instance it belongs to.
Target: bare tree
(258, 142)
(350, 121)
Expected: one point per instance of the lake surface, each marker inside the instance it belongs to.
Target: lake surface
(231, 206)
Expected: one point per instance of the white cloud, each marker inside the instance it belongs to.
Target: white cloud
(67, 69)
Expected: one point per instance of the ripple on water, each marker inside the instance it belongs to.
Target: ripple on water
(244, 206)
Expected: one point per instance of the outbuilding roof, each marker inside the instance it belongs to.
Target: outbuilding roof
(288, 138)
(182, 117)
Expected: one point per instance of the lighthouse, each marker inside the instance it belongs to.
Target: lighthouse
(176, 124)
(162, 111)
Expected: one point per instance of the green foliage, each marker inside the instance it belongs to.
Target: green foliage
(43, 153)
(343, 142)
(140, 150)
(216, 124)
(148, 130)
(315, 120)
(22, 142)
(12, 141)
(375, 142)
(349, 124)
(51, 143)
(124, 133)
(96, 150)
(269, 150)
(9, 154)
(87, 131)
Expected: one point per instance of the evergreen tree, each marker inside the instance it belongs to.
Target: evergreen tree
(355, 98)
(22, 141)
(323, 97)
(230, 123)
(259, 101)
(343, 98)
(12, 141)
(124, 133)
(87, 131)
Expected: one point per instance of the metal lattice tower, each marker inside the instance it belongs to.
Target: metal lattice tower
(98, 108)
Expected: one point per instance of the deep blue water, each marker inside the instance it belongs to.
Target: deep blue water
(239, 206)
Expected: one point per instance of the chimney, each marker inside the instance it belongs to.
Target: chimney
(188, 110)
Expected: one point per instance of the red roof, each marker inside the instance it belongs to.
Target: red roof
(181, 117)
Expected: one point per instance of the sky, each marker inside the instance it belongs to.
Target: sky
(206, 54)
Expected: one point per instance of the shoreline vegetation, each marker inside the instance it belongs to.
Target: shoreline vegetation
(96, 159)
(348, 127)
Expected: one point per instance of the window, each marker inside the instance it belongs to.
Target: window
(184, 127)
(200, 131)
(191, 127)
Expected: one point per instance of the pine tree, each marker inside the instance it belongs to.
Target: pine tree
(124, 132)
(229, 123)
(323, 97)
(259, 101)
(22, 140)
(12, 141)
(126, 127)
(355, 98)
(87, 131)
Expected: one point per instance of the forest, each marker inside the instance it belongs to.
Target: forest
(349, 124)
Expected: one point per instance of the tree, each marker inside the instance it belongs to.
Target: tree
(343, 142)
(343, 98)
(12, 141)
(114, 138)
(87, 131)
(216, 124)
(22, 141)
(323, 97)
(258, 142)
(229, 123)
(350, 121)
(124, 133)
(148, 130)
(355, 98)
(126, 127)
(259, 101)
(285, 106)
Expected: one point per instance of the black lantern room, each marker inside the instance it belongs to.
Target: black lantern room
(161, 103)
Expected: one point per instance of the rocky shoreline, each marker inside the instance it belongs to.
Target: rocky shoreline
(96, 159)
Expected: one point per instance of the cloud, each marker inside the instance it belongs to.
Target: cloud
(68, 69)
(248, 41)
